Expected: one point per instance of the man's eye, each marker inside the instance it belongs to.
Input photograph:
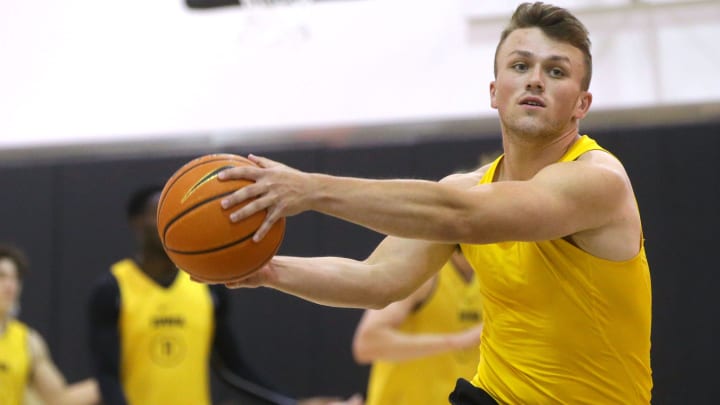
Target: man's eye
(556, 72)
(520, 67)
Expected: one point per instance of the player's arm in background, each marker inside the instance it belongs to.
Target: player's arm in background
(104, 338)
(49, 383)
(228, 361)
(377, 336)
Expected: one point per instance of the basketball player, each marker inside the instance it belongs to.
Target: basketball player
(551, 228)
(25, 361)
(434, 332)
(152, 329)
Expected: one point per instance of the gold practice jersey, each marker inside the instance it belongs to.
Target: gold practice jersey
(453, 306)
(562, 326)
(165, 336)
(14, 363)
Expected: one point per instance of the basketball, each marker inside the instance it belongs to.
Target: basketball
(196, 232)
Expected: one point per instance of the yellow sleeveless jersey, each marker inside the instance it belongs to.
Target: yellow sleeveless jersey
(165, 336)
(453, 306)
(562, 326)
(15, 360)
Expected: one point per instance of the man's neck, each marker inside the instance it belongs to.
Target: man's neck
(4, 319)
(523, 158)
(158, 267)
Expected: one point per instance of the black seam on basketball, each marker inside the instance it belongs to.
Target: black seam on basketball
(191, 208)
(177, 175)
(215, 249)
(265, 260)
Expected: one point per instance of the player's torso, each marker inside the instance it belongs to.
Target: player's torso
(14, 363)
(453, 306)
(165, 335)
(560, 324)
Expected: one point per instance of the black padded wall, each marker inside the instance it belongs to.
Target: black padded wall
(69, 217)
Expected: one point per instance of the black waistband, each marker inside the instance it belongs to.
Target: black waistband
(468, 394)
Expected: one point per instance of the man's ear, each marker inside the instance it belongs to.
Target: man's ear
(493, 103)
(583, 105)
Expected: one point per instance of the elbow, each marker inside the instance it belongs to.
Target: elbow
(361, 351)
(382, 291)
(360, 355)
(394, 293)
(393, 290)
(382, 300)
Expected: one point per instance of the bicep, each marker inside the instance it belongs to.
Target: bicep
(560, 200)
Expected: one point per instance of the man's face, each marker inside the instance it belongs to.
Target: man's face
(537, 91)
(9, 285)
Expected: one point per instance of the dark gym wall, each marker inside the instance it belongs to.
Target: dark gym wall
(69, 217)
(27, 219)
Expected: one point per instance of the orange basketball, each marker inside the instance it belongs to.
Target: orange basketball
(196, 231)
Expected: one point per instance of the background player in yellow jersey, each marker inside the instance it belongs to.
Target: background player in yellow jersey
(434, 332)
(552, 229)
(153, 330)
(25, 361)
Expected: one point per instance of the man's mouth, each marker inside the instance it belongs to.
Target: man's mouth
(532, 101)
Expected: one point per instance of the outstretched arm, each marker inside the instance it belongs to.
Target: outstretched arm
(561, 199)
(395, 269)
(49, 382)
(378, 336)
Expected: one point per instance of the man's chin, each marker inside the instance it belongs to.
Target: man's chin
(5, 308)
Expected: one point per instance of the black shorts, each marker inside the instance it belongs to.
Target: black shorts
(468, 394)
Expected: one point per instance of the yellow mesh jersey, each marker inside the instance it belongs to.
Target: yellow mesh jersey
(14, 363)
(562, 326)
(165, 336)
(453, 306)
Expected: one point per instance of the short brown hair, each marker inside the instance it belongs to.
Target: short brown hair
(555, 22)
(17, 256)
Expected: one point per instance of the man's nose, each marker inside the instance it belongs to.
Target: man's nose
(535, 80)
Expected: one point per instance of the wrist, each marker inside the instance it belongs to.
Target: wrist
(318, 193)
(273, 276)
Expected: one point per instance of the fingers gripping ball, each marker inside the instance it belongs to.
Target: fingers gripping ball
(196, 231)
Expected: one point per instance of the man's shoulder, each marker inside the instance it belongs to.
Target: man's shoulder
(602, 158)
(105, 282)
(104, 296)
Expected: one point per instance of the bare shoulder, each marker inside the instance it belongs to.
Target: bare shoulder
(594, 174)
(602, 159)
(599, 195)
(37, 344)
